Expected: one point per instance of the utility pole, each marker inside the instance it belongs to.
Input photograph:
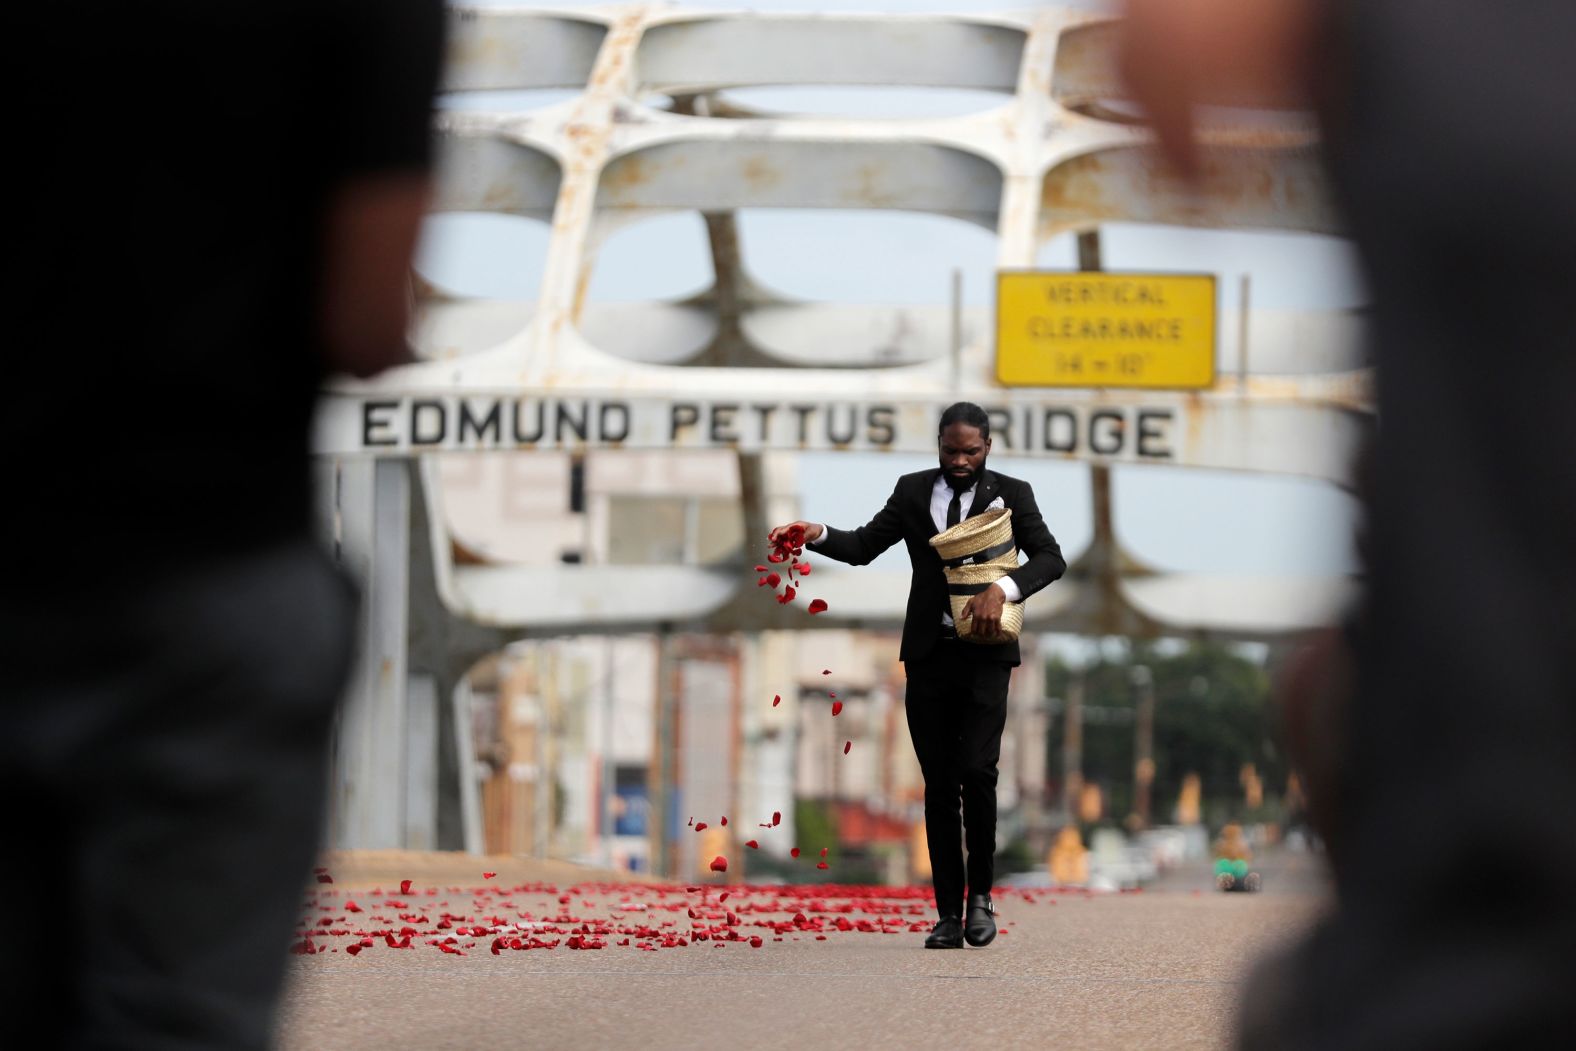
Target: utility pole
(1143, 744)
(1072, 750)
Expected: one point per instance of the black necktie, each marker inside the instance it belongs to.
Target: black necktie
(955, 509)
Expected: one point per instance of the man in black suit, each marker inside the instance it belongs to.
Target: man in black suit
(957, 691)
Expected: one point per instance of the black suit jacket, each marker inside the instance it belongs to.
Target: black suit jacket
(906, 517)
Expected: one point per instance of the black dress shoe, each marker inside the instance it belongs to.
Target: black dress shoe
(947, 935)
(981, 929)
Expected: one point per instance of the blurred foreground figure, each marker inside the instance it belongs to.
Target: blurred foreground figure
(1446, 780)
(217, 209)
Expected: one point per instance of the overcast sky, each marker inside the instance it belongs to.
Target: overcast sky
(1174, 518)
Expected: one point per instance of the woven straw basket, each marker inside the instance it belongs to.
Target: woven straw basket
(976, 553)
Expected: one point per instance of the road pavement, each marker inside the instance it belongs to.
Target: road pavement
(1160, 968)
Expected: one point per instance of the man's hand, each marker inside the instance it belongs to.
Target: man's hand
(984, 610)
(811, 532)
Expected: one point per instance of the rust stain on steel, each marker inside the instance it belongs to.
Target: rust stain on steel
(1236, 183)
(625, 174)
(759, 173)
(870, 186)
(1086, 70)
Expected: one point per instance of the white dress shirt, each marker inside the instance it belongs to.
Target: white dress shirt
(940, 500)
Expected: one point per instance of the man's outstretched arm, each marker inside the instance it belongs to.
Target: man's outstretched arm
(858, 547)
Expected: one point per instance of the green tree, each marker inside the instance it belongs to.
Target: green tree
(1212, 716)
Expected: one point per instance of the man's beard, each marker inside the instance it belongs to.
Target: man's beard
(964, 483)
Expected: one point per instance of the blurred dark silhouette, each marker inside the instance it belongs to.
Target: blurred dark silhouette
(1438, 730)
(215, 207)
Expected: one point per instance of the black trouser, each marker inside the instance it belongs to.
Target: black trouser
(957, 709)
(163, 760)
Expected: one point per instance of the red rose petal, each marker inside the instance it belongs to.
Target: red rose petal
(804, 569)
(777, 699)
(826, 671)
(719, 864)
(817, 605)
(837, 707)
(724, 821)
(846, 746)
(404, 886)
(773, 579)
(351, 906)
(822, 865)
(824, 850)
(488, 875)
(756, 942)
(760, 569)
(353, 949)
(777, 818)
(323, 877)
(752, 844)
(794, 852)
(700, 825)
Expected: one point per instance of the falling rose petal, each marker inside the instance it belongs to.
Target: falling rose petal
(353, 949)
(404, 886)
(724, 821)
(777, 818)
(822, 865)
(831, 694)
(488, 875)
(351, 906)
(846, 746)
(692, 822)
(824, 850)
(837, 707)
(323, 877)
(719, 864)
(756, 942)
(794, 852)
(804, 569)
(826, 671)
(723, 896)
(760, 569)
(777, 699)
(817, 605)
(773, 579)
(701, 825)
(752, 844)
(761, 582)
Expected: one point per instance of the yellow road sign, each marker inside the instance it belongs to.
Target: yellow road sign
(1101, 329)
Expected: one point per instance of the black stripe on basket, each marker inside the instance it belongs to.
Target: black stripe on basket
(968, 589)
(981, 556)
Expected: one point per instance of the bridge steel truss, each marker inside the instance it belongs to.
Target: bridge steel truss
(1059, 154)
